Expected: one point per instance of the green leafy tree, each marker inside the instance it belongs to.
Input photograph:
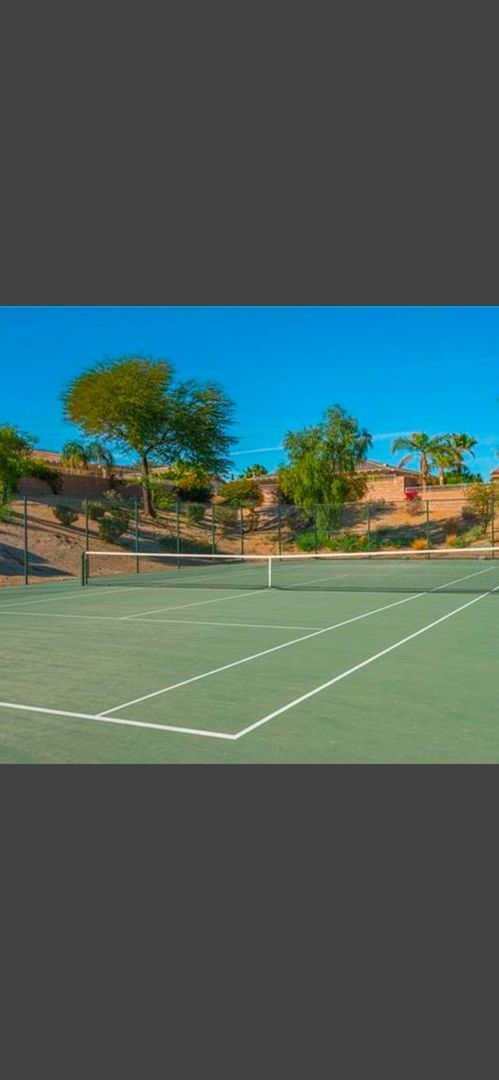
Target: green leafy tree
(255, 470)
(134, 404)
(323, 463)
(16, 461)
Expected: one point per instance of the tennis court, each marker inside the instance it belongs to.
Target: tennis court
(391, 657)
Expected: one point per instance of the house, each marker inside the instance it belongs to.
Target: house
(388, 482)
(78, 482)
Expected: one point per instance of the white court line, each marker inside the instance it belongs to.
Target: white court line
(249, 625)
(465, 578)
(116, 720)
(256, 656)
(79, 593)
(386, 569)
(154, 622)
(196, 603)
(103, 718)
(357, 667)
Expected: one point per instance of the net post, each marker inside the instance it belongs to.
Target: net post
(25, 544)
(137, 537)
(83, 568)
(241, 520)
(177, 521)
(86, 525)
(279, 528)
(213, 531)
(269, 578)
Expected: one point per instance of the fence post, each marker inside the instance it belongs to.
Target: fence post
(213, 531)
(428, 524)
(279, 528)
(86, 525)
(368, 528)
(241, 519)
(178, 531)
(25, 524)
(137, 537)
(316, 539)
(492, 521)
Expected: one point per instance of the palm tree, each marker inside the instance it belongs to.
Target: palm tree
(74, 455)
(418, 445)
(463, 444)
(99, 454)
(445, 455)
(255, 470)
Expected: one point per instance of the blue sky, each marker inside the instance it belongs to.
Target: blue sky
(397, 369)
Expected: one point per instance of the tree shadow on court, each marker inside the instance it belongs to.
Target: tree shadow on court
(12, 564)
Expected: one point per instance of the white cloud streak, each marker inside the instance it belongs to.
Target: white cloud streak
(259, 450)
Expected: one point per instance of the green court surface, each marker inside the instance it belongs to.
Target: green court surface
(236, 674)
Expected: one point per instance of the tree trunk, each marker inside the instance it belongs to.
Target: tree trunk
(423, 468)
(441, 477)
(148, 504)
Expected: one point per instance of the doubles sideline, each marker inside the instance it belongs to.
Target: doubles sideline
(106, 718)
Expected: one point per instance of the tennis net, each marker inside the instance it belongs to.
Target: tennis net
(434, 570)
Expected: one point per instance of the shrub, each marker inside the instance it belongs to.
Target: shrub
(189, 483)
(414, 507)
(226, 516)
(194, 513)
(347, 542)
(472, 535)
(192, 488)
(65, 514)
(6, 513)
(479, 502)
(163, 500)
(467, 514)
(96, 511)
(386, 538)
(244, 492)
(308, 541)
(168, 544)
(420, 544)
(454, 541)
(113, 524)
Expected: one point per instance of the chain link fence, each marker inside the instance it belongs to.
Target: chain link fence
(42, 538)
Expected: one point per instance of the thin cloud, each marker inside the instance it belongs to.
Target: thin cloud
(259, 450)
